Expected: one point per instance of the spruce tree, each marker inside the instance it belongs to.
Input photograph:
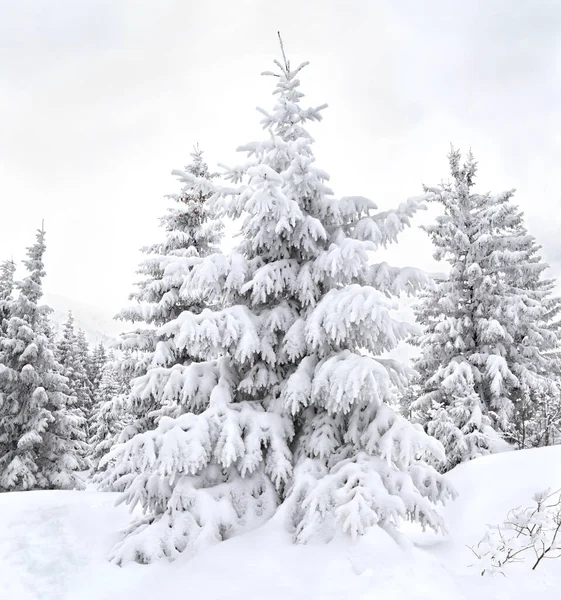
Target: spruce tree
(7, 270)
(72, 355)
(41, 437)
(84, 386)
(109, 415)
(95, 365)
(536, 351)
(191, 233)
(67, 344)
(489, 327)
(287, 403)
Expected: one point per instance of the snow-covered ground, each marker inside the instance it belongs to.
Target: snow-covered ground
(53, 545)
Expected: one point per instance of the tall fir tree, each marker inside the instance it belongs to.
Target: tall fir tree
(488, 350)
(41, 437)
(287, 403)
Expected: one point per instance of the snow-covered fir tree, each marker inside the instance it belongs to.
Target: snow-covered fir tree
(41, 436)
(287, 402)
(537, 347)
(7, 270)
(111, 409)
(73, 356)
(538, 422)
(95, 365)
(191, 233)
(490, 328)
(109, 415)
(85, 391)
(67, 344)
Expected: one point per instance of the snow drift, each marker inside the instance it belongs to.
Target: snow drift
(54, 546)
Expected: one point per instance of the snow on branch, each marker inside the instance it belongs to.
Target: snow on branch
(355, 317)
(210, 333)
(187, 385)
(530, 531)
(342, 382)
(394, 281)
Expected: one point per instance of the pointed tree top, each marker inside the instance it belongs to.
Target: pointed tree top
(284, 66)
(286, 61)
(197, 153)
(463, 174)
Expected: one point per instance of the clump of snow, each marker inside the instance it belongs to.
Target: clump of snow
(54, 546)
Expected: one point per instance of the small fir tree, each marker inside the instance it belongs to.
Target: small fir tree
(109, 415)
(84, 385)
(72, 355)
(96, 363)
(67, 344)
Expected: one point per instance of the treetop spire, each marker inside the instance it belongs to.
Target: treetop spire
(286, 61)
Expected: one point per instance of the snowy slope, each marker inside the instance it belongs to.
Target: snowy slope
(98, 324)
(53, 546)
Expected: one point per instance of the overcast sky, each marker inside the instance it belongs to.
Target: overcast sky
(99, 101)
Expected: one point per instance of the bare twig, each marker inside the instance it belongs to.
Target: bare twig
(540, 526)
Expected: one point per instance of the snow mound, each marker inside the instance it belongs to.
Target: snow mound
(53, 546)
